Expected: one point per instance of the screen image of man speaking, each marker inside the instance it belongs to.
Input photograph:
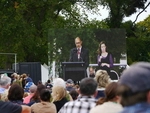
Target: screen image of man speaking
(79, 53)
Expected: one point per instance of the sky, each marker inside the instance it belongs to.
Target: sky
(104, 14)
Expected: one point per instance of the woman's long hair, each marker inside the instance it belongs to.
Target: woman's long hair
(58, 93)
(110, 93)
(99, 47)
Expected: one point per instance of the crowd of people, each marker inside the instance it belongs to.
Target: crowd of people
(131, 94)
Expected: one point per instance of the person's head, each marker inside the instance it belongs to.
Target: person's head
(102, 47)
(59, 82)
(40, 87)
(78, 42)
(102, 78)
(58, 92)
(88, 87)
(39, 82)
(76, 86)
(45, 95)
(17, 77)
(24, 75)
(48, 81)
(134, 84)
(13, 75)
(110, 93)
(91, 71)
(74, 94)
(33, 89)
(15, 92)
(5, 82)
(69, 82)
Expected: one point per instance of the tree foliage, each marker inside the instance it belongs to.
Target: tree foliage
(38, 29)
(139, 46)
(119, 9)
(143, 28)
(25, 26)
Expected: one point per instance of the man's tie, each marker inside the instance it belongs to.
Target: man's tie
(78, 52)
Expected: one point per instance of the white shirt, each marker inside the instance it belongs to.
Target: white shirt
(82, 105)
(79, 52)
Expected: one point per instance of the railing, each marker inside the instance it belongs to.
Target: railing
(115, 64)
(113, 74)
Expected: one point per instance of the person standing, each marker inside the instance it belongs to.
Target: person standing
(79, 53)
(104, 58)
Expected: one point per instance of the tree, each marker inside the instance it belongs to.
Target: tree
(143, 28)
(25, 26)
(138, 48)
(119, 9)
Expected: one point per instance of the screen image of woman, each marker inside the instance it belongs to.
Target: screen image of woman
(104, 58)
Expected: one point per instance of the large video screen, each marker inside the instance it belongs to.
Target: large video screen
(61, 41)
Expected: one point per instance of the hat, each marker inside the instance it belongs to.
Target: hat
(70, 81)
(137, 77)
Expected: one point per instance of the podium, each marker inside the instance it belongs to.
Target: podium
(73, 70)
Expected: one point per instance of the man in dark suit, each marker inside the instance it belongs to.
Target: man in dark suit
(79, 54)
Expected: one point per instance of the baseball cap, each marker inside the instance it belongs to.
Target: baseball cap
(70, 81)
(137, 77)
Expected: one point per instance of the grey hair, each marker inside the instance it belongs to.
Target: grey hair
(4, 81)
(59, 82)
(33, 88)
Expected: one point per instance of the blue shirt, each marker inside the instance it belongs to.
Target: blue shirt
(2, 90)
(137, 108)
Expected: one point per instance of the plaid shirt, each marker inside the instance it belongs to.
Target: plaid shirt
(82, 105)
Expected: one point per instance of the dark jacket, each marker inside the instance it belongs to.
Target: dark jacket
(60, 103)
(84, 56)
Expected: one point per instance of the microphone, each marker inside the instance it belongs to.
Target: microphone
(99, 59)
(81, 59)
